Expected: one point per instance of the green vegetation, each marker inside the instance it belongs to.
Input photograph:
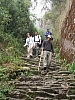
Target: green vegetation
(10, 51)
(41, 32)
(68, 66)
(10, 47)
(64, 64)
(5, 84)
(54, 16)
(15, 18)
(71, 67)
(15, 22)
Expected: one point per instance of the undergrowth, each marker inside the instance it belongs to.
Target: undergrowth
(11, 49)
(64, 64)
(5, 84)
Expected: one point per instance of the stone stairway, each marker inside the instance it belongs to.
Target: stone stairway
(56, 84)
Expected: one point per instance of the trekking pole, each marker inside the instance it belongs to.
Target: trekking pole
(40, 60)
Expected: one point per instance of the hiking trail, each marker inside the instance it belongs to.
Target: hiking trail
(56, 84)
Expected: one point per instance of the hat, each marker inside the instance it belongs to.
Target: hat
(49, 36)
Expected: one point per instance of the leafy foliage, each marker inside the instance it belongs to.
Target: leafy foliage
(53, 16)
(4, 83)
(10, 48)
(15, 22)
(15, 17)
(41, 32)
(71, 67)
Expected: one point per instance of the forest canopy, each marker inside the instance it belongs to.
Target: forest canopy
(15, 17)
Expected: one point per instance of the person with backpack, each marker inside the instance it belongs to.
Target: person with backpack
(47, 48)
(29, 44)
(37, 43)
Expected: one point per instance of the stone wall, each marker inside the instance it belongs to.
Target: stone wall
(67, 50)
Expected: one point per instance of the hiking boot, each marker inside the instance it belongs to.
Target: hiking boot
(45, 68)
(31, 56)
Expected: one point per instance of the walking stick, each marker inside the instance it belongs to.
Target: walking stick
(40, 60)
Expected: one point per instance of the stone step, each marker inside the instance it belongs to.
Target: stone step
(36, 72)
(22, 87)
(56, 84)
(71, 87)
(9, 98)
(71, 92)
(19, 94)
(71, 97)
(35, 78)
(42, 98)
(60, 88)
(49, 90)
(65, 72)
(29, 78)
(41, 94)
(20, 84)
(72, 84)
(61, 97)
(57, 77)
(70, 80)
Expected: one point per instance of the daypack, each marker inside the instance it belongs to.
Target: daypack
(38, 38)
(38, 41)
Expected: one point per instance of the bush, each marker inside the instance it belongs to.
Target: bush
(71, 67)
(11, 48)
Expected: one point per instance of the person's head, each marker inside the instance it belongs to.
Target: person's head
(47, 29)
(28, 34)
(36, 33)
(49, 37)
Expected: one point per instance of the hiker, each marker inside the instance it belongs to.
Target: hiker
(37, 43)
(48, 33)
(47, 48)
(29, 44)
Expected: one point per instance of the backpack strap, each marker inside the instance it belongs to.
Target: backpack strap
(38, 38)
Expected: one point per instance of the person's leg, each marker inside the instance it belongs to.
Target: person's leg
(28, 49)
(37, 52)
(44, 59)
(37, 49)
(49, 59)
(30, 53)
(34, 51)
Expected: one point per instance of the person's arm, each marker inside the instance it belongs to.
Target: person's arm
(43, 45)
(40, 39)
(25, 43)
(52, 49)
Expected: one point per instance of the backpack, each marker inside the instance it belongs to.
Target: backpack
(39, 45)
(38, 38)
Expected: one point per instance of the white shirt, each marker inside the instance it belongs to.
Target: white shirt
(29, 41)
